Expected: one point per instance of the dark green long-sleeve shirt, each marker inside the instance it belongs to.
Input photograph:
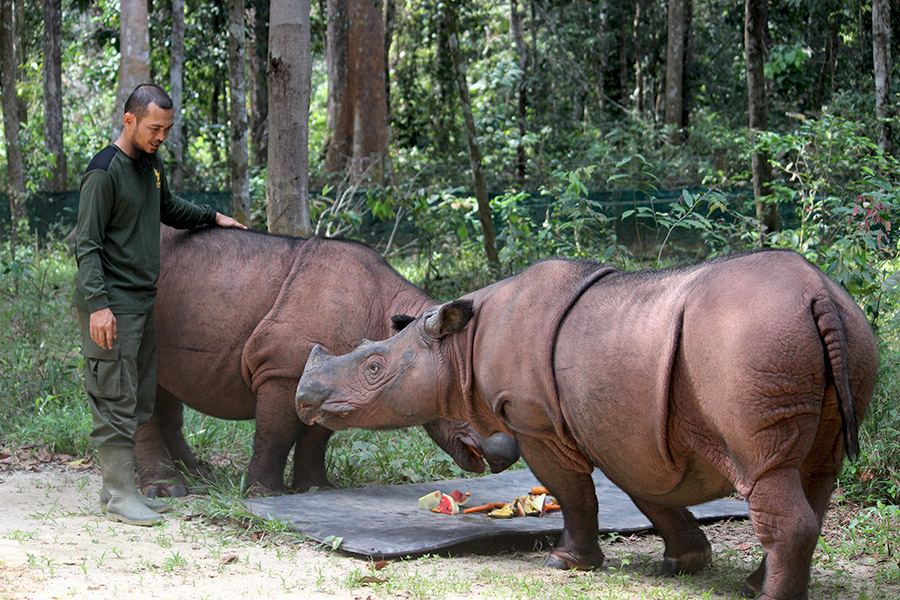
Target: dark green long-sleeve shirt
(117, 236)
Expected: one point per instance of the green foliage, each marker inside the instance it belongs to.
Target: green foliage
(40, 367)
(839, 184)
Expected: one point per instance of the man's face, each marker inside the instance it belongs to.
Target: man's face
(152, 130)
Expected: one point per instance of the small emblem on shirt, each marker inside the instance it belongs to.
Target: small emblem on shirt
(158, 182)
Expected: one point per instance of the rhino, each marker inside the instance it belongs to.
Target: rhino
(237, 315)
(747, 373)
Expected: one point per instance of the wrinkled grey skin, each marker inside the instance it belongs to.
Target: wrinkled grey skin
(747, 373)
(237, 314)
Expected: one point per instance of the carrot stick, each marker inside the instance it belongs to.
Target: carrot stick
(484, 507)
(548, 507)
(539, 489)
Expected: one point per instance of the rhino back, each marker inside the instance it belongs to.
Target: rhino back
(215, 286)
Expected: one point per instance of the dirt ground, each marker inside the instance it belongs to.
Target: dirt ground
(54, 543)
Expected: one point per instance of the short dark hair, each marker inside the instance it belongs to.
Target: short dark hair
(144, 95)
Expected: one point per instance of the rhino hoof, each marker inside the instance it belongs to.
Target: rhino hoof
(565, 562)
(164, 491)
(748, 591)
(686, 563)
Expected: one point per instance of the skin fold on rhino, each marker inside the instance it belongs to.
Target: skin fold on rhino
(747, 373)
(237, 315)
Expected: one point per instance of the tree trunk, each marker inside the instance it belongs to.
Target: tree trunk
(15, 169)
(134, 55)
(259, 92)
(881, 52)
(237, 112)
(484, 207)
(515, 20)
(176, 91)
(675, 70)
(390, 16)
(337, 118)
(640, 52)
(755, 24)
(53, 110)
(289, 75)
(359, 138)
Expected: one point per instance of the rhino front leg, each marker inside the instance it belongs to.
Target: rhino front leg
(277, 430)
(309, 459)
(687, 549)
(788, 528)
(578, 547)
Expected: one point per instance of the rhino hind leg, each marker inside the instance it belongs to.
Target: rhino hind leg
(687, 548)
(788, 527)
(161, 452)
(309, 459)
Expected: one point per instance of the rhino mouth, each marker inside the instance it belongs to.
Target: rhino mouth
(330, 417)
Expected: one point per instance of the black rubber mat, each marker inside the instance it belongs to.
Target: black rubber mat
(385, 521)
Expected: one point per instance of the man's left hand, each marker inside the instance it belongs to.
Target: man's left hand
(226, 221)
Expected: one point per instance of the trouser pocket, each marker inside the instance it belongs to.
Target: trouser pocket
(103, 372)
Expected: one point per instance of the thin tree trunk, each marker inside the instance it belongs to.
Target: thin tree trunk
(176, 91)
(289, 77)
(881, 52)
(481, 196)
(390, 16)
(640, 53)
(338, 116)
(755, 25)
(134, 55)
(515, 20)
(259, 94)
(237, 109)
(53, 111)
(15, 169)
(624, 13)
(675, 70)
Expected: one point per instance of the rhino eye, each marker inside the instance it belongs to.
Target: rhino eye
(373, 369)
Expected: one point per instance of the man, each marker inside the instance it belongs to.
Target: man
(124, 197)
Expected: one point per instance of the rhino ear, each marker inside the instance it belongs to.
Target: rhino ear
(401, 321)
(449, 318)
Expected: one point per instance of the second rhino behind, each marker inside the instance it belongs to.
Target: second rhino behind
(237, 315)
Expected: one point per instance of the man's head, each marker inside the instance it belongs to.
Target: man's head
(148, 119)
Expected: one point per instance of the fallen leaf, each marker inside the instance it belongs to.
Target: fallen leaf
(380, 564)
(372, 579)
(227, 560)
(743, 546)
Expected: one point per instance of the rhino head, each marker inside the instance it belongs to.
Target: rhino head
(402, 381)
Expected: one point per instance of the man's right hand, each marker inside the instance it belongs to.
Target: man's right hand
(103, 328)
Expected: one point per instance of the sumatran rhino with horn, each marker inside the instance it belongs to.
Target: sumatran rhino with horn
(747, 373)
(237, 314)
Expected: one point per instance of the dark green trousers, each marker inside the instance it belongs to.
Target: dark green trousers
(121, 381)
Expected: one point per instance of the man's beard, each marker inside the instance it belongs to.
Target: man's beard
(144, 161)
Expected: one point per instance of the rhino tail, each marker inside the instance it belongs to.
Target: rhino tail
(834, 339)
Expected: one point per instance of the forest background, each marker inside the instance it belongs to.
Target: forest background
(463, 140)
